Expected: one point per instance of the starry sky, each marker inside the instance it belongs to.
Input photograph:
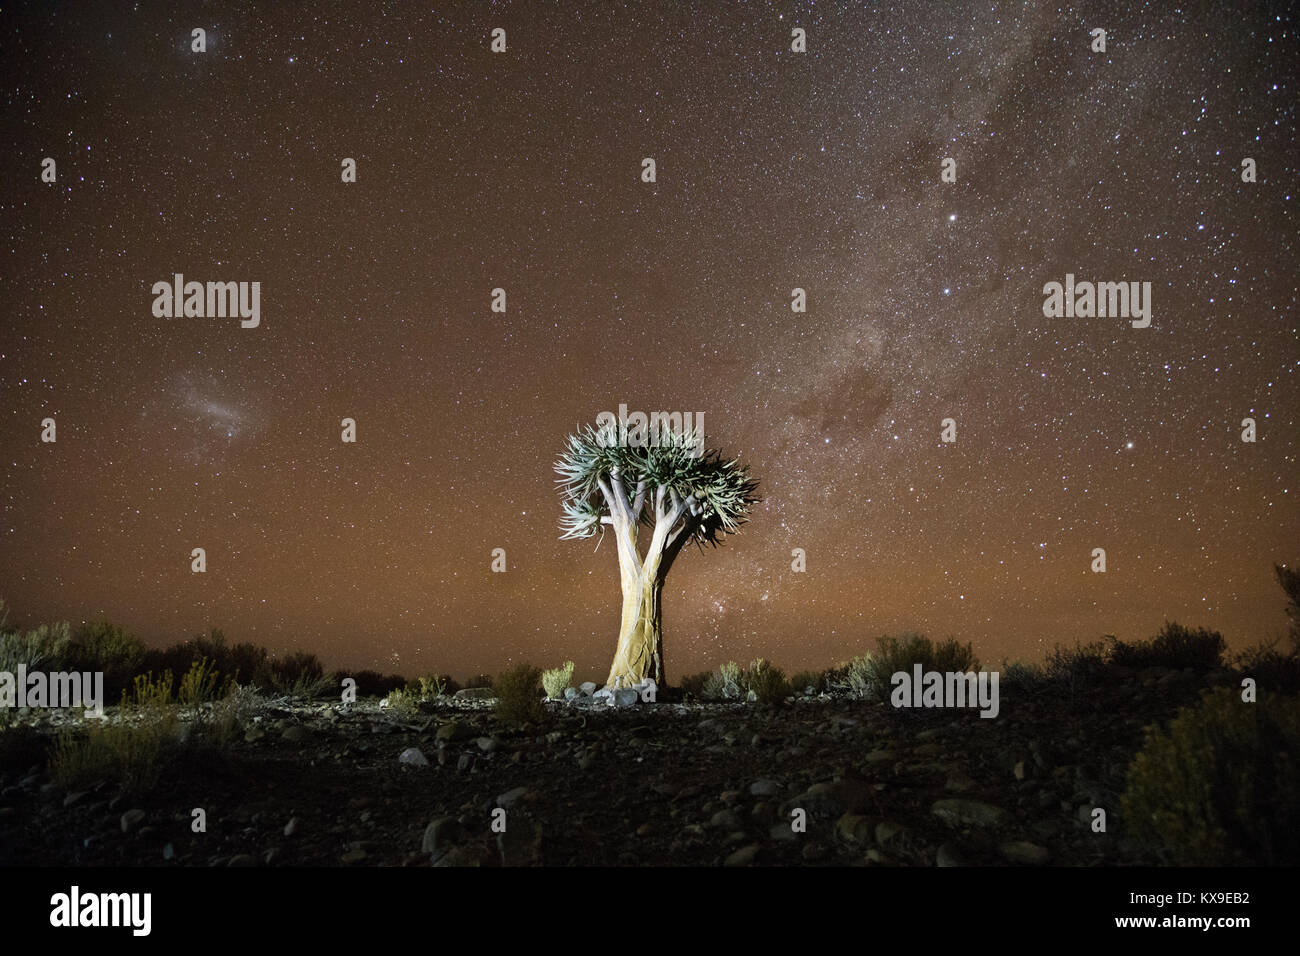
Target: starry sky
(522, 170)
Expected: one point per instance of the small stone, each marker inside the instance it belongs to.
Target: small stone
(292, 826)
(440, 835)
(131, 820)
(72, 798)
(949, 855)
(783, 832)
(242, 859)
(744, 856)
(587, 688)
(814, 851)
(465, 762)
(959, 782)
(571, 693)
(354, 855)
(412, 756)
(1019, 770)
(511, 797)
(487, 744)
(272, 856)
(626, 697)
(169, 852)
(295, 734)
(961, 812)
(473, 693)
(1024, 853)
(853, 828)
(887, 831)
(726, 820)
(454, 732)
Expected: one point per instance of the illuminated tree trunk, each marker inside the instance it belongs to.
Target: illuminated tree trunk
(640, 650)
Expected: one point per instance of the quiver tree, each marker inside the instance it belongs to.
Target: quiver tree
(672, 487)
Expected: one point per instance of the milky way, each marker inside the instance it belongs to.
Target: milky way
(776, 170)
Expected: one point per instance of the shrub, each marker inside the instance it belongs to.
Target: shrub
(1271, 669)
(1080, 664)
(201, 684)
(903, 653)
(766, 681)
(434, 685)
(516, 692)
(1175, 647)
(556, 681)
(300, 674)
(724, 683)
(1222, 786)
(404, 702)
(45, 648)
(693, 684)
(858, 677)
(101, 646)
(129, 748)
(803, 680)
(1022, 676)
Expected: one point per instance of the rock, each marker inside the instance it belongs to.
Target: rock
(841, 796)
(464, 762)
(744, 856)
(487, 744)
(764, 788)
(587, 688)
(272, 856)
(473, 693)
(626, 697)
(726, 820)
(1024, 853)
(295, 734)
(292, 826)
(949, 855)
(957, 811)
(413, 757)
(853, 828)
(169, 852)
(783, 832)
(571, 693)
(511, 797)
(814, 851)
(72, 798)
(440, 835)
(1019, 770)
(881, 756)
(958, 782)
(887, 832)
(242, 859)
(131, 820)
(454, 731)
(354, 855)
(254, 734)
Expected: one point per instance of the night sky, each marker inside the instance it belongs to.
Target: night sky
(522, 170)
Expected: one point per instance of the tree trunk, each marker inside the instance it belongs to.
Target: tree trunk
(640, 652)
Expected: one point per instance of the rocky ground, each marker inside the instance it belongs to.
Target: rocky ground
(702, 784)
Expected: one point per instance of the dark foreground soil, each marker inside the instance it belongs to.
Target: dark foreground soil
(656, 784)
